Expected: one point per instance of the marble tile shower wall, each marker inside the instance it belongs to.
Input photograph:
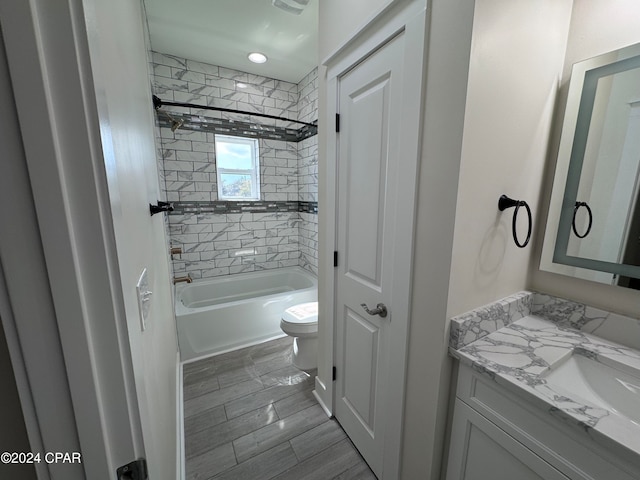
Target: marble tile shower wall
(308, 172)
(221, 244)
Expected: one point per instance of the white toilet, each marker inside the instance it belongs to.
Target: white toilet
(301, 323)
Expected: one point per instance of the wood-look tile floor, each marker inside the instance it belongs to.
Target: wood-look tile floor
(250, 414)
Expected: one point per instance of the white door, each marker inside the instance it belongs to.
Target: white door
(370, 96)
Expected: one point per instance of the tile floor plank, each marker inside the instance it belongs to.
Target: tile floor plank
(276, 362)
(360, 471)
(262, 421)
(204, 402)
(263, 397)
(237, 375)
(198, 442)
(195, 389)
(264, 466)
(296, 402)
(211, 463)
(266, 437)
(197, 374)
(205, 419)
(319, 438)
(325, 465)
(288, 375)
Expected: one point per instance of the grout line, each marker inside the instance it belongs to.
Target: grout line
(294, 451)
(278, 417)
(235, 454)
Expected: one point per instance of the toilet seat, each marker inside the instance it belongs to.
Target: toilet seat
(301, 319)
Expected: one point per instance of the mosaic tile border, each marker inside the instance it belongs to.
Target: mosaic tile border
(200, 123)
(308, 207)
(224, 207)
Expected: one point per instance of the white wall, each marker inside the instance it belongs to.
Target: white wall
(597, 27)
(516, 60)
(119, 64)
(340, 20)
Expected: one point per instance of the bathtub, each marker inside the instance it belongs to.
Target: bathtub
(226, 313)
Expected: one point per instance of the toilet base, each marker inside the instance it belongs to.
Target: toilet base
(305, 353)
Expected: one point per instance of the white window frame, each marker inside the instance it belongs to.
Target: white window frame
(253, 171)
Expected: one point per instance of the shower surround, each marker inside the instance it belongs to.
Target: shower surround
(223, 238)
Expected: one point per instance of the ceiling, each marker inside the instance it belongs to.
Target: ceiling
(224, 32)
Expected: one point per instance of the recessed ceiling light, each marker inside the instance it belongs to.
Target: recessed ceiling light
(256, 57)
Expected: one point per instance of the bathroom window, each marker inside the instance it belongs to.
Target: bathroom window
(238, 168)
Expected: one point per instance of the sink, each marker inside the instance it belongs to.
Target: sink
(599, 384)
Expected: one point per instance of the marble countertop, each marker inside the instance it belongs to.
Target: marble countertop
(517, 340)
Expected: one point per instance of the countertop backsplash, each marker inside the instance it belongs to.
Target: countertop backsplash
(475, 324)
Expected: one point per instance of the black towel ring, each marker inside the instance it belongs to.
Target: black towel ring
(576, 207)
(505, 202)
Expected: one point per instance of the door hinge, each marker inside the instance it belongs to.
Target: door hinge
(335, 259)
(136, 470)
(337, 122)
(333, 374)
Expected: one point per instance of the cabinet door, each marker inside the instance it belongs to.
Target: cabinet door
(481, 451)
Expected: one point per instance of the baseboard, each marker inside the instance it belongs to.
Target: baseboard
(320, 387)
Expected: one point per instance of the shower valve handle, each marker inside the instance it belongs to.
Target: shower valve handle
(380, 309)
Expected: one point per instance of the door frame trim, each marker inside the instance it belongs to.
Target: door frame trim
(411, 19)
(55, 99)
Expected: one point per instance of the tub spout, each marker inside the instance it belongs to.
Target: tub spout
(187, 278)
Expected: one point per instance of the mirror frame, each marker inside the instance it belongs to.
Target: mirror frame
(575, 130)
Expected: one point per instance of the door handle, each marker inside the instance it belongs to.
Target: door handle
(379, 310)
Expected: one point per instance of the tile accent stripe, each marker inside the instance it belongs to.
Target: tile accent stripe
(308, 207)
(200, 123)
(223, 207)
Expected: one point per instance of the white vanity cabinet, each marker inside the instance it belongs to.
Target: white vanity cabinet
(500, 436)
(482, 451)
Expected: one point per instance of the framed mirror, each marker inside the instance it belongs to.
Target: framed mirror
(593, 227)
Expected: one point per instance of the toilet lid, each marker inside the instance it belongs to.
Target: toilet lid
(302, 314)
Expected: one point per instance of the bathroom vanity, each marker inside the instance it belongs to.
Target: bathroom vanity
(540, 395)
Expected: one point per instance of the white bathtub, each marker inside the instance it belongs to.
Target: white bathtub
(226, 313)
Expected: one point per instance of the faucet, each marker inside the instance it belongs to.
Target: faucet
(187, 278)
